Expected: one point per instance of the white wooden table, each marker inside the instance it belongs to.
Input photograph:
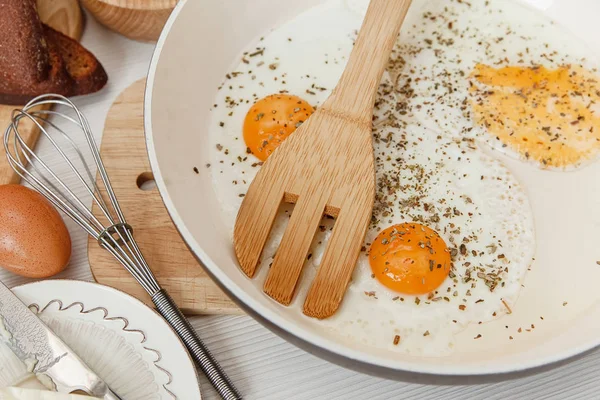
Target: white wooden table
(262, 365)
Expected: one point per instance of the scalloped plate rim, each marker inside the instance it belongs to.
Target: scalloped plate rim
(88, 293)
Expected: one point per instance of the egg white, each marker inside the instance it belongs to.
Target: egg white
(442, 41)
(419, 142)
(477, 206)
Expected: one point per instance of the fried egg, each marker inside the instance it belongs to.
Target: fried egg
(446, 187)
(502, 73)
(452, 232)
(548, 116)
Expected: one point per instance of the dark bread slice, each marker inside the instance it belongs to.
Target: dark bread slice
(86, 71)
(73, 71)
(35, 59)
(24, 54)
(58, 81)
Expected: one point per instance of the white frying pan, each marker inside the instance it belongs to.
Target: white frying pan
(200, 43)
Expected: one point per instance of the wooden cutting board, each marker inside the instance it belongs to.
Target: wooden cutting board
(64, 16)
(123, 152)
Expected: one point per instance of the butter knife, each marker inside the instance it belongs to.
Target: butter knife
(44, 353)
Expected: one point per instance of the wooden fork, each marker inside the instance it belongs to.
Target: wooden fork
(325, 166)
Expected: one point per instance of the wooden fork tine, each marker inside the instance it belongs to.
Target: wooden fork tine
(328, 287)
(293, 249)
(253, 224)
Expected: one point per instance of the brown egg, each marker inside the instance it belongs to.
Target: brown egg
(34, 240)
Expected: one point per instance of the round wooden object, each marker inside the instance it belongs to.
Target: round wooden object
(136, 19)
(130, 174)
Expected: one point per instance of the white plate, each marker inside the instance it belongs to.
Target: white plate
(186, 70)
(126, 343)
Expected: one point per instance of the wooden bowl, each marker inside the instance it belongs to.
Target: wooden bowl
(136, 19)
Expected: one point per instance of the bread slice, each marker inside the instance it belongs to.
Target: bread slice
(35, 59)
(86, 71)
(24, 57)
(20, 91)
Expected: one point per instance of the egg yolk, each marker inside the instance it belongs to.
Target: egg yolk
(410, 258)
(271, 120)
(550, 116)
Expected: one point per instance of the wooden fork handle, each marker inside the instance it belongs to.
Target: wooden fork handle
(357, 88)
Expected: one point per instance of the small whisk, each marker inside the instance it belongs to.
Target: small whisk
(63, 127)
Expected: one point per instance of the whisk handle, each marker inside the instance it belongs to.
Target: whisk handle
(201, 355)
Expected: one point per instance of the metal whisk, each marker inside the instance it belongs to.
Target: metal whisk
(61, 127)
